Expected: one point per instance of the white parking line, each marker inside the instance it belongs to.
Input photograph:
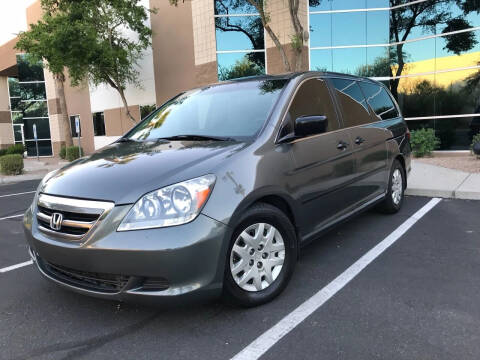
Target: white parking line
(269, 338)
(11, 217)
(21, 193)
(16, 266)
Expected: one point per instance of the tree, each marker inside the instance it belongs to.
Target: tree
(297, 39)
(90, 39)
(241, 68)
(427, 15)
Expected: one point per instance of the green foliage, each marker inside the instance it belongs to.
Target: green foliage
(89, 38)
(72, 153)
(11, 164)
(475, 139)
(146, 109)
(3, 152)
(63, 152)
(242, 68)
(424, 141)
(15, 149)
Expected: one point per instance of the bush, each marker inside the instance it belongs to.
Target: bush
(424, 141)
(475, 140)
(63, 152)
(15, 149)
(11, 164)
(3, 152)
(72, 153)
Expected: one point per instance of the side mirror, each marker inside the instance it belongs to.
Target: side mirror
(310, 125)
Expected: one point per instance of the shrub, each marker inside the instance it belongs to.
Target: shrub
(63, 152)
(72, 153)
(16, 149)
(475, 140)
(11, 164)
(424, 141)
(3, 152)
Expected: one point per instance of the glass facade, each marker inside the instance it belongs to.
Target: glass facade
(426, 52)
(240, 41)
(28, 106)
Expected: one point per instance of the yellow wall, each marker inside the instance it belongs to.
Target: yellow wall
(443, 63)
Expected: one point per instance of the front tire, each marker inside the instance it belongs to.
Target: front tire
(261, 256)
(396, 189)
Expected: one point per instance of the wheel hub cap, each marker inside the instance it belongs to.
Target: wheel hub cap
(257, 257)
(397, 186)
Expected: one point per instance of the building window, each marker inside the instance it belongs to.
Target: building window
(431, 65)
(98, 124)
(28, 106)
(73, 126)
(240, 39)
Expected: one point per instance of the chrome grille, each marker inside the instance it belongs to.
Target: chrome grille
(68, 218)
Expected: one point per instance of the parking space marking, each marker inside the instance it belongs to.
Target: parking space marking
(21, 193)
(270, 337)
(11, 217)
(16, 266)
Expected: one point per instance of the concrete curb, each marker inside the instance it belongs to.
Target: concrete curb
(20, 178)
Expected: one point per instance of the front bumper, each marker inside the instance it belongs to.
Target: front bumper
(185, 261)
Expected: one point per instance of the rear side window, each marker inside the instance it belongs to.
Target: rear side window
(312, 98)
(353, 103)
(379, 101)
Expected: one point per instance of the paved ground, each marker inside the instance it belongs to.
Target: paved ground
(417, 300)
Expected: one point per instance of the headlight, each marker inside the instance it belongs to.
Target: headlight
(43, 182)
(172, 205)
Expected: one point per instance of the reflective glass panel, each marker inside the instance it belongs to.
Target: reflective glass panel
(419, 56)
(43, 128)
(378, 27)
(348, 4)
(415, 95)
(235, 65)
(28, 71)
(32, 91)
(223, 7)
(321, 60)
(17, 117)
(378, 62)
(320, 5)
(321, 30)
(378, 4)
(456, 133)
(349, 28)
(44, 148)
(349, 60)
(17, 133)
(239, 33)
(13, 87)
(457, 92)
(34, 109)
(467, 55)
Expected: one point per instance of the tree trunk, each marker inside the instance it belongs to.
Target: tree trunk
(60, 90)
(125, 105)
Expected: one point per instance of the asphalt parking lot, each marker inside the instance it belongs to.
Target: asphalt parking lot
(417, 299)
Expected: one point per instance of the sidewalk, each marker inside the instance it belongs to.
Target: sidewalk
(436, 181)
(34, 170)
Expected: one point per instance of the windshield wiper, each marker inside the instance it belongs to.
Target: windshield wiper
(197, 137)
(123, 139)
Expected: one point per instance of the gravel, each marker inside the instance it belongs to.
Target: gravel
(467, 163)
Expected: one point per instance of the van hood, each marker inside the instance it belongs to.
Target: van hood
(123, 172)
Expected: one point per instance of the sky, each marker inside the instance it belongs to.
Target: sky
(12, 18)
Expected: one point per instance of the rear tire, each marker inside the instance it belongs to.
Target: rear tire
(261, 256)
(396, 190)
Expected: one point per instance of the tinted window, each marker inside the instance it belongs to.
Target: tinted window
(236, 110)
(312, 98)
(98, 124)
(379, 101)
(353, 103)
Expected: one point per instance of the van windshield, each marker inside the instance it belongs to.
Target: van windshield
(234, 110)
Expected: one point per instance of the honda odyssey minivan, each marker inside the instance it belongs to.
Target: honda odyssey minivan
(218, 189)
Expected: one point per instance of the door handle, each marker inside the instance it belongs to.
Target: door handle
(359, 140)
(342, 145)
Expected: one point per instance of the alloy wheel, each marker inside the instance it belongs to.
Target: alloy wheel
(257, 257)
